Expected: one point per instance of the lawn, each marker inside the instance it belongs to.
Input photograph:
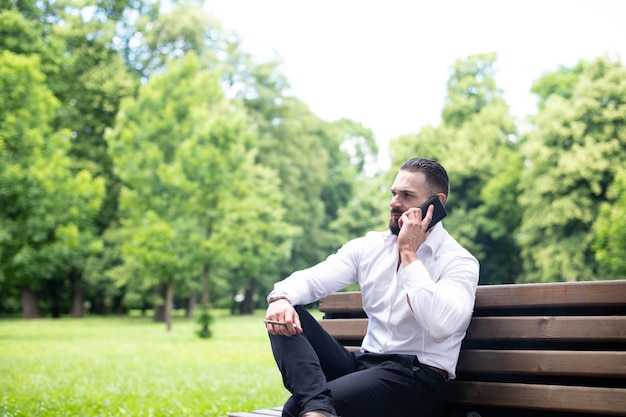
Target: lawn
(130, 366)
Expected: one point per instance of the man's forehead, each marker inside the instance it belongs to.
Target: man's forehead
(407, 180)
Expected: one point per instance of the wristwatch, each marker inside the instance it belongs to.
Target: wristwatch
(277, 295)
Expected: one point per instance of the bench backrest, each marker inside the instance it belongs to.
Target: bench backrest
(557, 346)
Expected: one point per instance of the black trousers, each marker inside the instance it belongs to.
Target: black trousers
(322, 375)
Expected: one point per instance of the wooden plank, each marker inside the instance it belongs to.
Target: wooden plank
(563, 328)
(342, 302)
(274, 412)
(544, 362)
(593, 400)
(350, 329)
(561, 294)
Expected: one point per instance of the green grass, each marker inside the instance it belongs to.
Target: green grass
(131, 366)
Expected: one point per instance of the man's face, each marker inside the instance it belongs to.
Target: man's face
(408, 190)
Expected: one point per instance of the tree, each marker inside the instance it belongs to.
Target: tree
(610, 230)
(183, 152)
(47, 208)
(367, 210)
(90, 86)
(573, 159)
(313, 161)
(85, 73)
(158, 35)
(322, 178)
(261, 238)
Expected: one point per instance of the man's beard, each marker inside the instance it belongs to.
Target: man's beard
(394, 227)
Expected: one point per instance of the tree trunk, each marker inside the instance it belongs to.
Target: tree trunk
(98, 305)
(159, 309)
(233, 305)
(205, 286)
(247, 306)
(118, 305)
(206, 270)
(55, 293)
(169, 303)
(190, 311)
(30, 306)
(78, 301)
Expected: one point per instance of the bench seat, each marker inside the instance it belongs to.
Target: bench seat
(531, 349)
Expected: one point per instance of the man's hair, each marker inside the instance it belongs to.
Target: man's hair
(436, 175)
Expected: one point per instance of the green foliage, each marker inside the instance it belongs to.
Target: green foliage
(557, 83)
(258, 232)
(158, 36)
(610, 229)
(204, 320)
(470, 89)
(88, 79)
(368, 210)
(302, 174)
(46, 208)
(19, 35)
(316, 182)
(90, 87)
(194, 198)
(157, 147)
(573, 156)
(209, 171)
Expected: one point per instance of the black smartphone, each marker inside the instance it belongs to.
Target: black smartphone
(438, 214)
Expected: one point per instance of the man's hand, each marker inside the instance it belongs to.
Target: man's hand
(281, 311)
(413, 232)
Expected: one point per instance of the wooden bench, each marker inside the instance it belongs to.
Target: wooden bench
(554, 349)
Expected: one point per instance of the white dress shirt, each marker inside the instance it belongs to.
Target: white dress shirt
(441, 287)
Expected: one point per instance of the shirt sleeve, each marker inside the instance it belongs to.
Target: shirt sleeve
(336, 272)
(443, 306)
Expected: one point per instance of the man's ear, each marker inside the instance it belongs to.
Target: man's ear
(442, 198)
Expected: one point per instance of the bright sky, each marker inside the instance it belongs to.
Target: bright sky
(385, 63)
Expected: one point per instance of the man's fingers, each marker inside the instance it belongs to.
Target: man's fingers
(286, 326)
(429, 214)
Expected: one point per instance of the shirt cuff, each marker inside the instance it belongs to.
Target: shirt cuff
(294, 296)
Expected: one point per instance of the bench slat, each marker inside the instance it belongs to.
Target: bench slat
(563, 328)
(559, 294)
(344, 302)
(543, 362)
(566, 328)
(342, 329)
(591, 400)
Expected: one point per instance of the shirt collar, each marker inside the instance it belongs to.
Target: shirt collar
(389, 238)
(434, 239)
